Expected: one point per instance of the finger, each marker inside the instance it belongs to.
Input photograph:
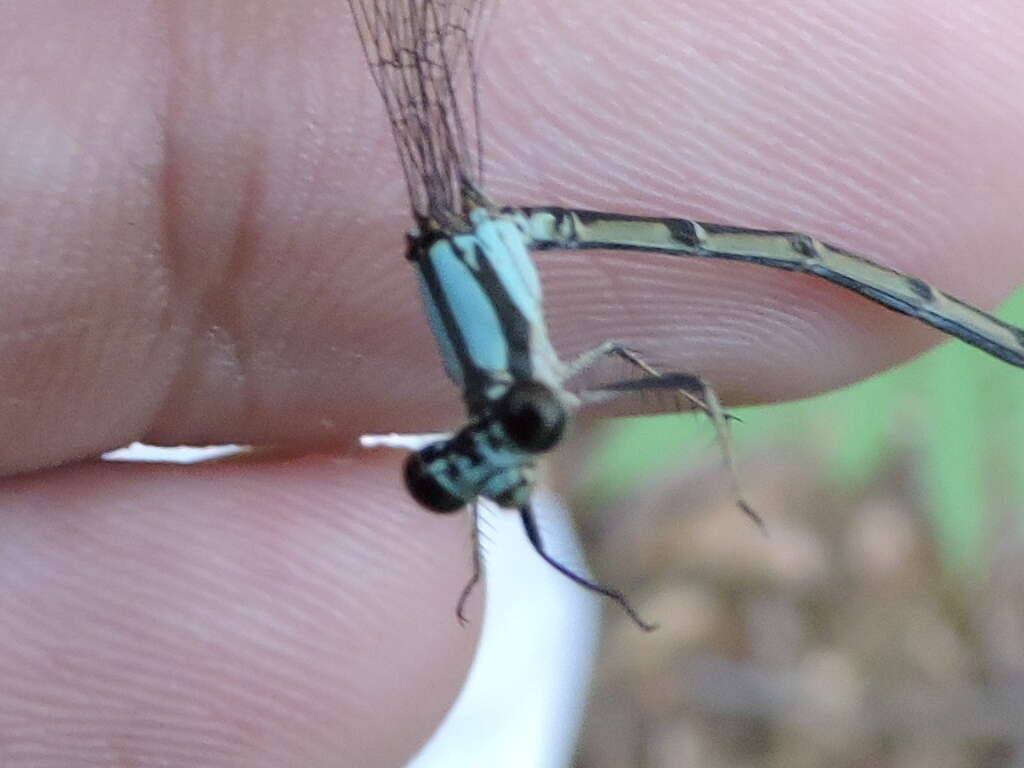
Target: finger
(226, 262)
(855, 123)
(280, 613)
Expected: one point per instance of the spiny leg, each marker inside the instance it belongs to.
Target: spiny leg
(718, 419)
(467, 590)
(585, 360)
(699, 391)
(591, 356)
(691, 387)
(533, 534)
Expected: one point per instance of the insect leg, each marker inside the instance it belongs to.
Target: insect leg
(690, 387)
(533, 534)
(477, 569)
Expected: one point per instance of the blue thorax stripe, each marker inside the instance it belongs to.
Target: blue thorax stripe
(483, 298)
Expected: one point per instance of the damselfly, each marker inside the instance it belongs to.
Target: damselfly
(482, 293)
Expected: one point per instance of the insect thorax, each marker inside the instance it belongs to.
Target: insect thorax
(493, 456)
(482, 295)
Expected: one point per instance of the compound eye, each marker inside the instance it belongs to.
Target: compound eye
(425, 486)
(532, 416)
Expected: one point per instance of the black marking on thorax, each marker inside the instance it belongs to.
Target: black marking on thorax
(515, 327)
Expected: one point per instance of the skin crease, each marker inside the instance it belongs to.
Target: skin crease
(202, 242)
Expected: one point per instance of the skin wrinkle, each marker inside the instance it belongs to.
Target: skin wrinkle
(214, 296)
(151, 273)
(169, 185)
(217, 307)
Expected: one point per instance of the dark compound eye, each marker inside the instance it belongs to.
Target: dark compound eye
(425, 486)
(532, 416)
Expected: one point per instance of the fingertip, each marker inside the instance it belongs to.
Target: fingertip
(277, 612)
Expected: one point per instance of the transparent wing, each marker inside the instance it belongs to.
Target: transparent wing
(421, 56)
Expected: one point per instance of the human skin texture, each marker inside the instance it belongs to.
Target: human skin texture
(202, 228)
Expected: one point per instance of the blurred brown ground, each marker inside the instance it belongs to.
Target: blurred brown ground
(839, 639)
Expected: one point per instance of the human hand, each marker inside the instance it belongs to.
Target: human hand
(203, 220)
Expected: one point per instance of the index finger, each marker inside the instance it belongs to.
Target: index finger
(205, 245)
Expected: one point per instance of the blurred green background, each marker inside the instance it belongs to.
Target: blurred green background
(961, 410)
